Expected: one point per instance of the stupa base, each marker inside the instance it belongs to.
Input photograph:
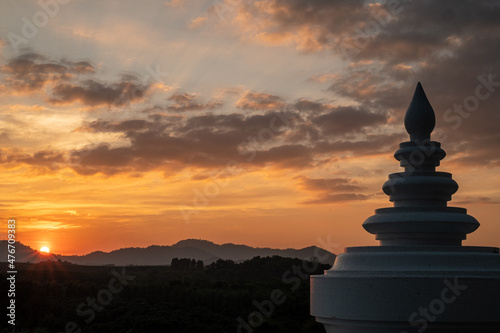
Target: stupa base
(408, 289)
(349, 326)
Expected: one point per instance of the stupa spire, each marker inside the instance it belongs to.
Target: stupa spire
(419, 118)
(420, 215)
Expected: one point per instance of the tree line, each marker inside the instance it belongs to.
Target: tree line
(186, 296)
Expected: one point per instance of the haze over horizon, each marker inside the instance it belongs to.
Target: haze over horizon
(264, 123)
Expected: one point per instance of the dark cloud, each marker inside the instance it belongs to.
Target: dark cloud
(315, 24)
(330, 185)
(207, 141)
(332, 190)
(285, 157)
(447, 45)
(285, 139)
(211, 141)
(29, 72)
(255, 101)
(343, 120)
(387, 30)
(375, 144)
(100, 125)
(103, 159)
(304, 105)
(476, 151)
(46, 157)
(46, 161)
(93, 93)
(64, 81)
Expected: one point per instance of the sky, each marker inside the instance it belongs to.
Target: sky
(267, 123)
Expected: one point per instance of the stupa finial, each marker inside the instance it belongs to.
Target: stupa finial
(419, 119)
(420, 215)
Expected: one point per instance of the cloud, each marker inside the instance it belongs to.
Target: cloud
(63, 81)
(274, 38)
(280, 135)
(190, 102)
(42, 162)
(300, 136)
(100, 125)
(343, 120)
(49, 225)
(445, 45)
(311, 26)
(305, 105)
(198, 141)
(5, 138)
(43, 158)
(30, 72)
(323, 77)
(255, 101)
(103, 159)
(197, 22)
(374, 144)
(289, 156)
(93, 93)
(469, 200)
(332, 190)
(341, 197)
(81, 67)
(404, 30)
(328, 185)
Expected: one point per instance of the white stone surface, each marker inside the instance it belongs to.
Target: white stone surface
(421, 279)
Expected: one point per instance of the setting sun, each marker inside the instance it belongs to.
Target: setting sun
(45, 249)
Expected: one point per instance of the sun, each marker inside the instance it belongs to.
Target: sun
(45, 249)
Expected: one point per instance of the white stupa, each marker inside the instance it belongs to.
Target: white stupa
(420, 278)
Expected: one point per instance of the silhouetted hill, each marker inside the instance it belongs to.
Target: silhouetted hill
(152, 255)
(23, 253)
(206, 251)
(239, 253)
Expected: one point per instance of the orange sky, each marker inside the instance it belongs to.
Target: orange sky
(270, 124)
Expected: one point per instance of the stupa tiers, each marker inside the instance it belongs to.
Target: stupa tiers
(420, 278)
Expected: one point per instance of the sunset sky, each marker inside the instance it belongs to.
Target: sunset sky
(266, 123)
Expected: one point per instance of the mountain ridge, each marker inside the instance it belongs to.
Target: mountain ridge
(151, 255)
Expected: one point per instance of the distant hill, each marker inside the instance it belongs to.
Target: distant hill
(197, 249)
(24, 253)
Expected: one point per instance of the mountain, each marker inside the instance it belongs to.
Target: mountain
(196, 249)
(239, 253)
(24, 253)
